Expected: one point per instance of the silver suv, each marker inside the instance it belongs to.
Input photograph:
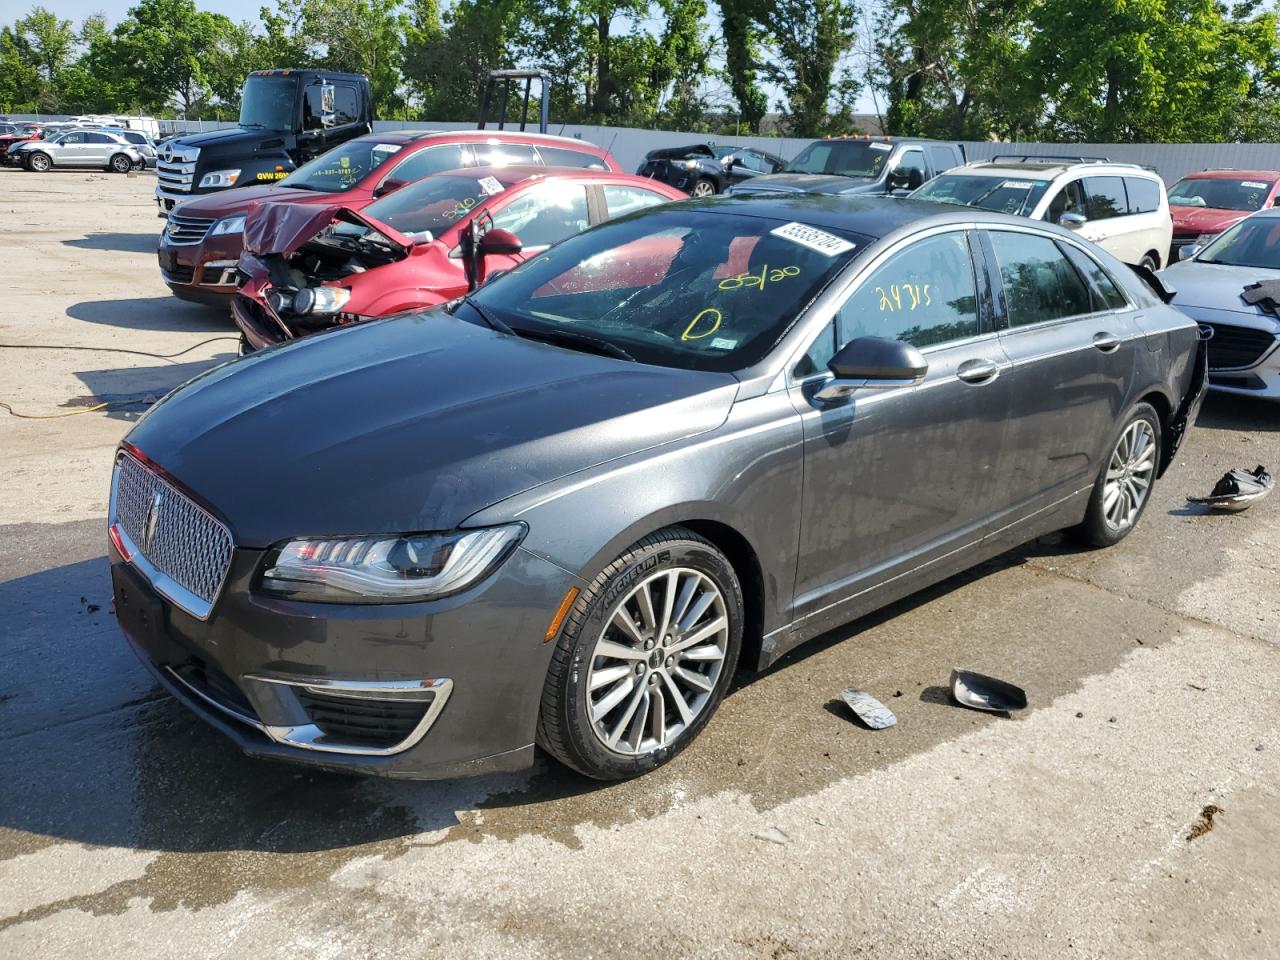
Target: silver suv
(81, 148)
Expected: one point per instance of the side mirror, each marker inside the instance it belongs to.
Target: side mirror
(1189, 251)
(499, 241)
(873, 363)
(389, 185)
(1072, 221)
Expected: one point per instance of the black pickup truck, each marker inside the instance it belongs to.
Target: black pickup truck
(286, 118)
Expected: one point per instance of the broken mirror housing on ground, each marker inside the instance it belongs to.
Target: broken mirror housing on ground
(868, 709)
(981, 692)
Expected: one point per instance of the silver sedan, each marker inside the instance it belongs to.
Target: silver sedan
(1233, 286)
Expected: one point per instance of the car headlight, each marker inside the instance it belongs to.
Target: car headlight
(320, 300)
(228, 225)
(220, 178)
(423, 566)
(691, 164)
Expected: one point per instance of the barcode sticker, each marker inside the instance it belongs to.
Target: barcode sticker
(490, 186)
(825, 243)
(1254, 184)
(1017, 184)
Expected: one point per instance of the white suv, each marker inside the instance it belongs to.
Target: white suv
(1121, 207)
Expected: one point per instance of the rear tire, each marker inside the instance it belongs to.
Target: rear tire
(1152, 262)
(39, 162)
(1128, 474)
(620, 700)
(121, 163)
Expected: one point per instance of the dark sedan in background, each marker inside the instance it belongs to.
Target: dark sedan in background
(860, 165)
(563, 509)
(702, 170)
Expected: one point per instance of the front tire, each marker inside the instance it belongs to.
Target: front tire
(121, 163)
(39, 162)
(644, 657)
(1123, 488)
(703, 187)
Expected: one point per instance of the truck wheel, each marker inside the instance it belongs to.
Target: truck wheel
(644, 657)
(121, 163)
(39, 162)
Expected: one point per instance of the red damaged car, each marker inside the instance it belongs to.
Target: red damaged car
(1206, 203)
(311, 269)
(203, 238)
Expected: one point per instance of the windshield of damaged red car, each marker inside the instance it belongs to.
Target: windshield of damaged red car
(672, 287)
(844, 158)
(1220, 193)
(342, 167)
(1251, 243)
(434, 204)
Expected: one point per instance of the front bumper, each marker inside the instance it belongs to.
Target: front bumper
(1244, 353)
(462, 677)
(203, 272)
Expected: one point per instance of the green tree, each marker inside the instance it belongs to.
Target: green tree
(19, 78)
(163, 49)
(359, 36)
(51, 40)
(743, 39)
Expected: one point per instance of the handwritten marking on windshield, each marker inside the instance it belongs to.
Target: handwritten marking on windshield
(715, 317)
(766, 276)
(904, 296)
(460, 209)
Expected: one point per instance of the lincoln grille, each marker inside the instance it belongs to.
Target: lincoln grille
(175, 536)
(185, 229)
(1234, 347)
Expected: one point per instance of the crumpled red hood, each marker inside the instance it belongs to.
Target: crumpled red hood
(282, 228)
(1199, 220)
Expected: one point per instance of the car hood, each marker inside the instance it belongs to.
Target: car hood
(1215, 285)
(239, 199)
(282, 228)
(232, 136)
(409, 424)
(1199, 220)
(805, 183)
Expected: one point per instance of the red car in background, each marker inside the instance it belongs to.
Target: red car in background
(11, 133)
(1206, 203)
(309, 269)
(203, 238)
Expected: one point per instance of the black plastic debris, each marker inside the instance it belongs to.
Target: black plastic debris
(1237, 490)
(980, 692)
(868, 709)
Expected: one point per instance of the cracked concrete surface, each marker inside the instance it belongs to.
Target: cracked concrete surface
(129, 829)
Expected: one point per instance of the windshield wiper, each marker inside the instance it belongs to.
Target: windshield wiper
(296, 186)
(493, 322)
(567, 337)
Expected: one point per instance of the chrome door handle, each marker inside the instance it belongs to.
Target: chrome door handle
(1106, 342)
(978, 371)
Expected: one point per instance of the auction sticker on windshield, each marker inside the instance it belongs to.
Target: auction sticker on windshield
(813, 238)
(490, 185)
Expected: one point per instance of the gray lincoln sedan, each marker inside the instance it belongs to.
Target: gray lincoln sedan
(562, 511)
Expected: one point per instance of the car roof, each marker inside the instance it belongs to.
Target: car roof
(489, 136)
(870, 216)
(1230, 174)
(510, 175)
(1048, 169)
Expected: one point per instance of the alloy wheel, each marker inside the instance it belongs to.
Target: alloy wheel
(704, 188)
(39, 163)
(1129, 475)
(657, 660)
(121, 164)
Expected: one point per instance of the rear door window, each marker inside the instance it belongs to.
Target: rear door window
(1105, 198)
(503, 154)
(346, 104)
(1144, 194)
(1106, 295)
(619, 200)
(923, 295)
(1040, 284)
(545, 214)
(565, 157)
(943, 157)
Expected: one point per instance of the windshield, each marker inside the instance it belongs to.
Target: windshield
(846, 158)
(434, 204)
(342, 167)
(269, 103)
(1009, 195)
(676, 287)
(1250, 243)
(1220, 194)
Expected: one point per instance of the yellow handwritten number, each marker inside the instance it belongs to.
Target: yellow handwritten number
(710, 312)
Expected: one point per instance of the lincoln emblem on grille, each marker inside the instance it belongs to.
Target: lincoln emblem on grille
(153, 516)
